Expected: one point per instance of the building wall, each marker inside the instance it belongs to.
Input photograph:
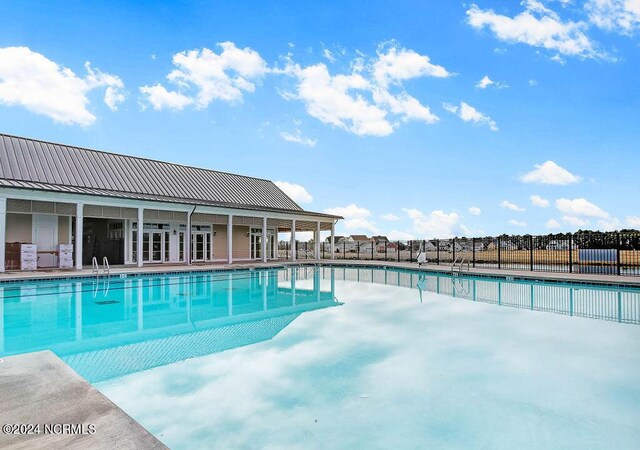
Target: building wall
(220, 242)
(63, 230)
(240, 242)
(19, 228)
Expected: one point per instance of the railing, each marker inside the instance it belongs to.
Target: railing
(615, 253)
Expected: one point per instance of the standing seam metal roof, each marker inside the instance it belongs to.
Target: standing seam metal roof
(34, 164)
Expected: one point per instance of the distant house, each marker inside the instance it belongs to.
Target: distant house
(379, 239)
(560, 245)
(359, 238)
(390, 246)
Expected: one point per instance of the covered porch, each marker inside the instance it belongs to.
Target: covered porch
(73, 231)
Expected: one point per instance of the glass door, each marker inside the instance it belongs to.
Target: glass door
(152, 246)
(256, 243)
(198, 246)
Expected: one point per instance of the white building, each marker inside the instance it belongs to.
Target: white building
(53, 194)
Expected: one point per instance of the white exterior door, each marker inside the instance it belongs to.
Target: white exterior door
(45, 236)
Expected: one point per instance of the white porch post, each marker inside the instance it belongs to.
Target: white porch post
(317, 240)
(293, 240)
(264, 239)
(79, 228)
(3, 231)
(140, 234)
(187, 253)
(230, 239)
(333, 240)
(275, 253)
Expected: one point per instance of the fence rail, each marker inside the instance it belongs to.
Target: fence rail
(592, 253)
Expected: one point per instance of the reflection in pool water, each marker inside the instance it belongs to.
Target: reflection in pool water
(262, 359)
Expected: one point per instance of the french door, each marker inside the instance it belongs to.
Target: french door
(200, 246)
(153, 247)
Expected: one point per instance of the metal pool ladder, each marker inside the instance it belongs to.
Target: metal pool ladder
(458, 264)
(96, 269)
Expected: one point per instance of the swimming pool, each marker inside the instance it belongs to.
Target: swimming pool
(346, 357)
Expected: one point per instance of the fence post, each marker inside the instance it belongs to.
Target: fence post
(344, 248)
(570, 253)
(438, 251)
(372, 245)
(322, 243)
(473, 251)
(499, 253)
(385, 250)
(454, 249)
(398, 250)
(618, 253)
(410, 251)
(358, 254)
(286, 247)
(531, 253)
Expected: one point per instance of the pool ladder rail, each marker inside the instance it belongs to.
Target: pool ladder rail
(458, 265)
(106, 270)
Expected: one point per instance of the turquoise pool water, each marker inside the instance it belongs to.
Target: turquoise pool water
(346, 357)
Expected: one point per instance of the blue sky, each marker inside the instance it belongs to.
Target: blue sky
(376, 112)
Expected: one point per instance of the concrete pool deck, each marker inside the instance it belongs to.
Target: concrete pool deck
(38, 388)
(562, 277)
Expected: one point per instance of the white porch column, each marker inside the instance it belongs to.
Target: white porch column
(275, 252)
(230, 239)
(317, 240)
(79, 228)
(140, 234)
(264, 239)
(293, 240)
(3, 231)
(333, 239)
(187, 253)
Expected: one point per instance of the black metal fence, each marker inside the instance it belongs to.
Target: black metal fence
(615, 253)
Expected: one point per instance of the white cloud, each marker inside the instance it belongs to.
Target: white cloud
(539, 201)
(553, 224)
(517, 223)
(512, 206)
(474, 210)
(533, 83)
(398, 64)
(575, 221)
(30, 80)
(360, 225)
(369, 100)
(580, 207)
(391, 217)
(622, 16)
(609, 224)
(205, 76)
(338, 101)
(537, 26)
(486, 82)
(633, 221)
(296, 192)
(436, 224)
(396, 235)
(351, 211)
(298, 138)
(328, 55)
(469, 114)
(549, 173)
(160, 98)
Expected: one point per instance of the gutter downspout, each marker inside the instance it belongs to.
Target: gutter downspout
(189, 234)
